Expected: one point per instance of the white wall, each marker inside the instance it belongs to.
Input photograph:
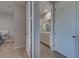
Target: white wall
(20, 17)
(7, 23)
(45, 38)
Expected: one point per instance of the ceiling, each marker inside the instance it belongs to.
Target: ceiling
(44, 6)
(7, 7)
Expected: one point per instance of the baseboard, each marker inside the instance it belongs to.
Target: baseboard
(29, 56)
(45, 44)
(52, 49)
(19, 46)
(57, 53)
(9, 40)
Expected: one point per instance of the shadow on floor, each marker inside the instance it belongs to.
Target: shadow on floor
(58, 55)
(47, 53)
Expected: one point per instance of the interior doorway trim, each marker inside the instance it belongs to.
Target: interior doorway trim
(35, 30)
(52, 27)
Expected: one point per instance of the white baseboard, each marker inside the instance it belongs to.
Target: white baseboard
(9, 40)
(52, 49)
(19, 46)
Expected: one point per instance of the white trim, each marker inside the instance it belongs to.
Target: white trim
(46, 32)
(20, 46)
(77, 31)
(32, 29)
(35, 30)
(9, 40)
(52, 28)
(28, 32)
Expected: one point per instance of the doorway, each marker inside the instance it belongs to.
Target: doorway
(12, 29)
(45, 29)
(47, 21)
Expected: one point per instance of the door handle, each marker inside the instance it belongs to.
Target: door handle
(73, 36)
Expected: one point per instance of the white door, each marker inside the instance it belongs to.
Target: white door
(28, 29)
(65, 28)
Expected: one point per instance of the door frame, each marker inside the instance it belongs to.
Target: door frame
(52, 27)
(36, 29)
(28, 32)
(35, 40)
